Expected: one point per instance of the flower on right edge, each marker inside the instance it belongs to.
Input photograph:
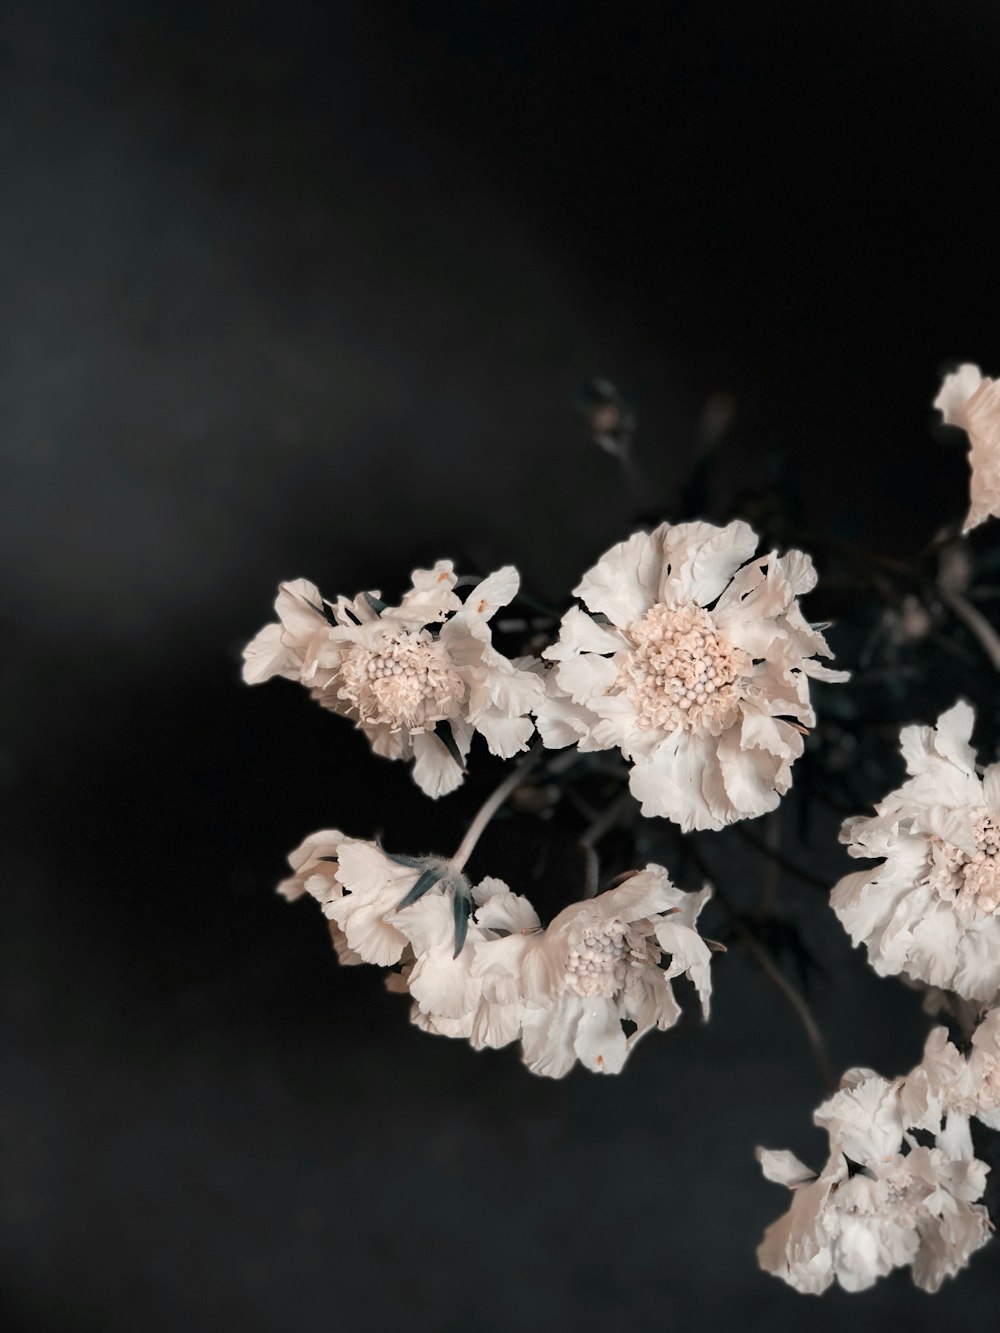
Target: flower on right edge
(972, 402)
(882, 1201)
(931, 908)
(694, 662)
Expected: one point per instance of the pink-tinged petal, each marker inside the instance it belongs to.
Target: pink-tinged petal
(983, 424)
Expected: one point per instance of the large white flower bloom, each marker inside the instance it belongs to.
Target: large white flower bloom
(947, 1081)
(695, 665)
(931, 908)
(968, 400)
(400, 680)
(881, 1202)
(600, 963)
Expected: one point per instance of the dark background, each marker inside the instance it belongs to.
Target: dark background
(308, 290)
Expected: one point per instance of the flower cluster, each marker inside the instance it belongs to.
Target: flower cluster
(931, 908)
(564, 990)
(688, 656)
(883, 1200)
(404, 673)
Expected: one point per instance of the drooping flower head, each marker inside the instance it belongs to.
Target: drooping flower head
(931, 908)
(970, 401)
(418, 679)
(600, 963)
(882, 1201)
(694, 662)
(564, 991)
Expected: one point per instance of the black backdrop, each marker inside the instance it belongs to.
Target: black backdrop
(308, 290)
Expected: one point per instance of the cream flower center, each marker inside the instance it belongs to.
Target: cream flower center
(969, 880)
(408, 681)
(596, 966)
(682, 671)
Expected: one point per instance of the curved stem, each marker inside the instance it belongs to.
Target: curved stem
(975, 621)
(796, 999)
(491, 805)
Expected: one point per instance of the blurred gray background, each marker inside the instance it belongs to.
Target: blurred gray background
(309, 290)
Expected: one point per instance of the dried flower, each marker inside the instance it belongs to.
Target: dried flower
(691, 662)
(599, 964)
(881, 1202)
(970, 401)
(931, 908)
(404, 673)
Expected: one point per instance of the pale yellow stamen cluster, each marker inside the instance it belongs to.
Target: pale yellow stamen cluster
(973, 880)
(408, 681)
(682, 671)
(599, 964)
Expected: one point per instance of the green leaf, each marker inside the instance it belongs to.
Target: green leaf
(446, 736)
(462, 907)
(426, 881)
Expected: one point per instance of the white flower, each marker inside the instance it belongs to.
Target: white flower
(882, 1201)
(931, 908)
(316, 867)
(598, 964)
(947, 1081)
(449, 995)
(973, 403)
(695, 665)
(364, 896)
(399, 680)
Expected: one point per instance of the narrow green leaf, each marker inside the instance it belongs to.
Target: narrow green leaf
(446, 736)
(426, 881)
(462, 907)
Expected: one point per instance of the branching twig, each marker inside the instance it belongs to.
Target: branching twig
(780, 859)
(765, 961)
(974, 621)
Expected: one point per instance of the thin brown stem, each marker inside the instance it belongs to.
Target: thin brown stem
(780, 859)
(975, 622)
(766, 962)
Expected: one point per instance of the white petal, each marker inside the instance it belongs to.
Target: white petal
(580, 633)
(703, 558)
(623, 583)
(783, 1167)
(434, 770)
(600, 1041)
(956, 390)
